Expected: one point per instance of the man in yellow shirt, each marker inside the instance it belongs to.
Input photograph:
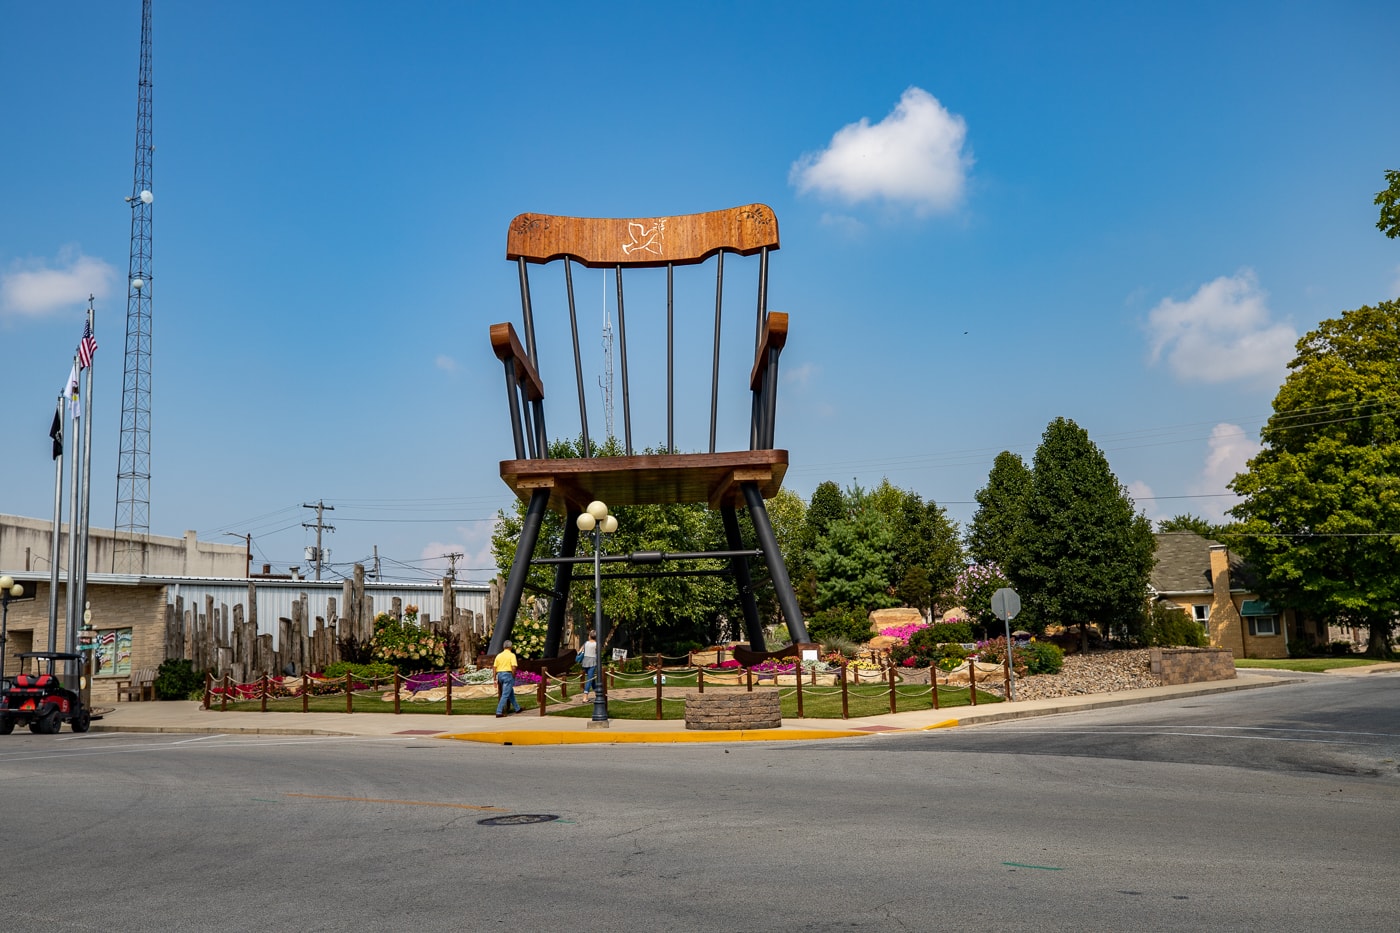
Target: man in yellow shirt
(504, 667)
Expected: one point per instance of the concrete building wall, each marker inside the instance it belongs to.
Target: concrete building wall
(25, 546)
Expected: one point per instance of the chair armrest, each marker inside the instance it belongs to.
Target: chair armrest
(507, 347)
(774, 337)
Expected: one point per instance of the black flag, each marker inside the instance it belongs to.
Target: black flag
(56, 432)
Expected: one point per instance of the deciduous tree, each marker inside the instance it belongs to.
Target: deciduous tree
(1321, 510)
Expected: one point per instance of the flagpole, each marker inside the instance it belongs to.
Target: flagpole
(88, 353)
(57, 521)
(75, 462)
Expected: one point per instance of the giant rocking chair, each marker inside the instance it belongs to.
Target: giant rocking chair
(723, 480)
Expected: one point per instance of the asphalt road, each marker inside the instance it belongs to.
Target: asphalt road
(1272, 809)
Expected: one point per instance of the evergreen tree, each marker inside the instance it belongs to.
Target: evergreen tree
(1001, 506)
(852, 563)
(1083, 554)
(1321, 504)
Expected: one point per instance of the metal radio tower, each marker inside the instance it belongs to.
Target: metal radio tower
(133, 522)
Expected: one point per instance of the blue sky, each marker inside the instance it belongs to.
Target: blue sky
(992, 215)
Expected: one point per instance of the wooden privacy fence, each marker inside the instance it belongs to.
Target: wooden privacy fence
(227, 640)
(801, 682)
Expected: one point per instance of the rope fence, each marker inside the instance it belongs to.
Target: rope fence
(803, 682)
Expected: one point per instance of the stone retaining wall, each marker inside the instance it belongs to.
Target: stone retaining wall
(737, 709)
(1192, 665)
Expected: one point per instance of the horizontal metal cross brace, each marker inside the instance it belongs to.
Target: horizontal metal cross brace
(588, 578)
(646, 557)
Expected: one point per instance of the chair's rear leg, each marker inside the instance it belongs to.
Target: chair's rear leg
(519, 569)
(782, 584)
(753, 626)
(563, 578)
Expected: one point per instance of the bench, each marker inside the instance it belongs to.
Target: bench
(140, 685)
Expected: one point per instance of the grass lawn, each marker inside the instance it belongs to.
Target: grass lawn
(817, 702)
(1309, 665)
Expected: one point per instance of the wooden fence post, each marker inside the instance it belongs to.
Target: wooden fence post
(749, 671)
(396, 691)
(349, 693)
(658, 676)
(798, 680)
(541, 692)
(223, 700)
(700, 678)
(933, 683)
(305, 690)
(449, 692)
(264, 693)
(845, 708)
(892, 694)
(972, 681)
(208, 687)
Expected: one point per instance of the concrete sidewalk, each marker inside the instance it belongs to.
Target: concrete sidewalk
(531, 729)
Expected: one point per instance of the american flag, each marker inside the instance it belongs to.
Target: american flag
(87, 346)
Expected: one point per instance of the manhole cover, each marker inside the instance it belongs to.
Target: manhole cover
(517, 819)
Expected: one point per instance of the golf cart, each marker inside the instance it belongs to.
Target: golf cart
(40, 700)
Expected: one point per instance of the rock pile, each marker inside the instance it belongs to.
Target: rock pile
(1096, 672)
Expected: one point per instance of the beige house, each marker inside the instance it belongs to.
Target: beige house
(1203, 578)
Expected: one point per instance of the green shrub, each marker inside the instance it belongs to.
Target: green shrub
(1166, 625)
(1035, 657)
(379, 670)
(1040, 657)
(848, 624)
(176, 679)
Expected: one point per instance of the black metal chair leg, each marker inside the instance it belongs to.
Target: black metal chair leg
(519, 569)
(753, 626)
(563, 578)
(782, 584)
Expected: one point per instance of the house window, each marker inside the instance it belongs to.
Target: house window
(1263, 625)
(1201, 613)
(113, 654)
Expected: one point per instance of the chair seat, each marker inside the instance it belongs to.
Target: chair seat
(649, 479)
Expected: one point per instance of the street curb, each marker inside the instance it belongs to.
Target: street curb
(231, 730)
(550, 737)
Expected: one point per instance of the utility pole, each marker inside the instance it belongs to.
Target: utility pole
(452, 563)
(320, 526)
(376, 563)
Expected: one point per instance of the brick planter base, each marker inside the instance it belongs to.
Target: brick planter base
(1192, 665)
(762, 709)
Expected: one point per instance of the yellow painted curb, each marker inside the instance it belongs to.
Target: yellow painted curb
(945, 724)
(548, 737)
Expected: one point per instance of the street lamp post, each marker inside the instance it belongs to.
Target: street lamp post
(597, 520)
(9, 590)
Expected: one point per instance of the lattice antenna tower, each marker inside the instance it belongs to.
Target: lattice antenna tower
(606, 381)
(133, 521)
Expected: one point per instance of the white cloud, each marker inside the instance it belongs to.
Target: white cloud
(915, 156)
(445, 363)
(1229, 451)
(33, 288)
(1223, 332)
